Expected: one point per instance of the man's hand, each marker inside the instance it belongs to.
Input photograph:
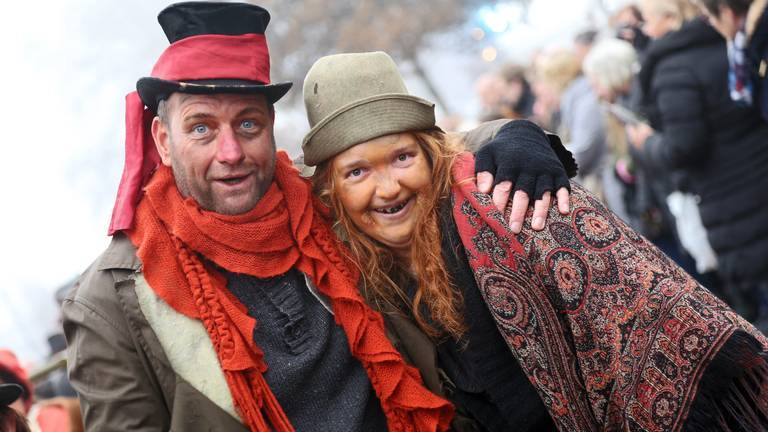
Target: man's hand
(521, 161)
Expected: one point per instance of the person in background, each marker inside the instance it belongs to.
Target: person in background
(490, 89)
(517, 97)
(627, 23)
(637, 193)
(561, 87)
(721, 146)
(583, 43)
(744, 23)
(584, 326)
(51, 415)
(11, 419)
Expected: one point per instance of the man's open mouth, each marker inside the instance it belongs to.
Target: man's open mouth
(233, 180)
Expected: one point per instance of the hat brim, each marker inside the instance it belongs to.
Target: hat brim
(10, 393)
(365, 120)
(153, 90)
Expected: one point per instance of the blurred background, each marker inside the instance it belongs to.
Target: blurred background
(69, 63)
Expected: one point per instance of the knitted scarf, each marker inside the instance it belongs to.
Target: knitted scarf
(180, 246)
(611, 333)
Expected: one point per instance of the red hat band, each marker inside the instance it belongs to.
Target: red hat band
(213, 56)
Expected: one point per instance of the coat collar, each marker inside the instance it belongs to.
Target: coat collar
(120, 255)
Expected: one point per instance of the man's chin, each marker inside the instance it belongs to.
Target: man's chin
(235, 207)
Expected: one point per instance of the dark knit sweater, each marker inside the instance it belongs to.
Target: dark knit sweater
(489, 384)
(317, 381)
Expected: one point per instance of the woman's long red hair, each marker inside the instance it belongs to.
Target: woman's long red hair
(383, 274)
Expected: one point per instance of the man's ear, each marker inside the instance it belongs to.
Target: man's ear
(160, 134)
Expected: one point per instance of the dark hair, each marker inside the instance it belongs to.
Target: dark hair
(739, 7)
(12, 421)
(586, 37)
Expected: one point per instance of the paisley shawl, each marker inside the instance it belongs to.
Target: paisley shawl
(612, 334)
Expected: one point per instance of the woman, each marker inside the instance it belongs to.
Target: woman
(582, 326)
(559, 82)
(720, 145)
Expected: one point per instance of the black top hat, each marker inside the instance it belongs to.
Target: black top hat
(182, 20)
(9, 393)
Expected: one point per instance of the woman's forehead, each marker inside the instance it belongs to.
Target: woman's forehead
(375, 147)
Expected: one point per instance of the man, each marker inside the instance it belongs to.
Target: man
(224, 301)
(744, 23)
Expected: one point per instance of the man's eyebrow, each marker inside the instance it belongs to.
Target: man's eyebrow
(197, 117)
(251, 110)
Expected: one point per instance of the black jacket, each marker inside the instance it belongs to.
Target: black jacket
(722, 146)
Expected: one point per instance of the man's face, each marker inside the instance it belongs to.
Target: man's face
(221, 148)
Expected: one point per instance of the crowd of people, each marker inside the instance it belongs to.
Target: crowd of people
(396, 281)
(664, 111)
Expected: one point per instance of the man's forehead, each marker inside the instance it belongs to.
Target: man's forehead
(188, 101)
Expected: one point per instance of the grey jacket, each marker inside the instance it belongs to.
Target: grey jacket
(116, 362)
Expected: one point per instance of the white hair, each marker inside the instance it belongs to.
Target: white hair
(611, 63)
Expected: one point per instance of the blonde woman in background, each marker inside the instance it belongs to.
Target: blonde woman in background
(562, 90)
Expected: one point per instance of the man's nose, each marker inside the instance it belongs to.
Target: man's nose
(228, 147)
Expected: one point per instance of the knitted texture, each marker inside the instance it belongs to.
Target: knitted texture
(287, 229)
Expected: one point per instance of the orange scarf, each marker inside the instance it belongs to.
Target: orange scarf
(287, 229)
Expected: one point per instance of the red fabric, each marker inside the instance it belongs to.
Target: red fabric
(243, 57)
(53, 418)
(9, 363)
(198, 57)
(287, 229)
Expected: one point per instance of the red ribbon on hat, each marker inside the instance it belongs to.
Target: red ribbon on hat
(244, 57)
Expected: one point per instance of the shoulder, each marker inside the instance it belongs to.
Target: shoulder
(94, 291)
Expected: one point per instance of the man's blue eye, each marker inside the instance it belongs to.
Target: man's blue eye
(247, 124)
(201, 129)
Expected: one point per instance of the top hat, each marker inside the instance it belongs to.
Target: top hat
(195, 30)
(9, 393)
(353, 98)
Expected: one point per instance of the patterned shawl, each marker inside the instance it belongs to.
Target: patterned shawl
(611, 333)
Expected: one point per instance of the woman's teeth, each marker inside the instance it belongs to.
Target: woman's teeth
(391, 210)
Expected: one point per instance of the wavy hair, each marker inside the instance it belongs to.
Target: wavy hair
(383, 274)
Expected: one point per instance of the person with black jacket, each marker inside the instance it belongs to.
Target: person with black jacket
(721, 145)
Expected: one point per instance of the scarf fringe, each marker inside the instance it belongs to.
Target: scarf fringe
(252, 397)
(733, 393)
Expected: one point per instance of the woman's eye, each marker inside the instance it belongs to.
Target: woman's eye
(403, 157)
(357, 172)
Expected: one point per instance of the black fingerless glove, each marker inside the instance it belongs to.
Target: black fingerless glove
(534, 161)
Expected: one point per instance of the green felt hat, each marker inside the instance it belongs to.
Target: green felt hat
(352, 98)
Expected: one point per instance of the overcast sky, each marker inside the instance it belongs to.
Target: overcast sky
(67, 66)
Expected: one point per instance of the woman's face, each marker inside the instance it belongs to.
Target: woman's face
(378, 183)
(656, 24)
